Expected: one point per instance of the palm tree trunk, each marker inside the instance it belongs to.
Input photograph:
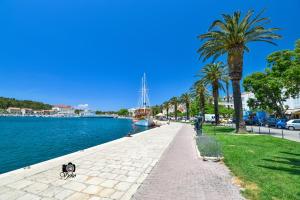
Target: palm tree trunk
(202, 104)
(216, 103)
(175, 106)
(187, 111)
(235, 63)
(167, 113)
(227, 93)
(237, 104)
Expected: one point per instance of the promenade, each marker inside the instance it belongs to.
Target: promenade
(182, 175)
(112, 170)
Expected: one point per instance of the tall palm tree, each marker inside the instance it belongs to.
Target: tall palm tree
(213, 74)
(226, 81)
(200, 91)
(174, 102)
(166, 106)
(230, 36)
(186, 99)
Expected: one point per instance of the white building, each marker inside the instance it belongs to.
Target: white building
(13, 110)
(226, 103)
(131, 112)
(27, 111)
(245, 97)
(64, 110)
(293, 105)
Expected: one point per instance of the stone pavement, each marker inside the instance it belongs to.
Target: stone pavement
(112, 170)
(182, 175)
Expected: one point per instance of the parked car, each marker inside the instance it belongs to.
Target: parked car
(281, 123)
(271, 122)
(293, 124)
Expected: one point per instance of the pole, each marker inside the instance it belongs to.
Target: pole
(282, 133)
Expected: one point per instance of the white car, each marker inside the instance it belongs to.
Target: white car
(293, 124)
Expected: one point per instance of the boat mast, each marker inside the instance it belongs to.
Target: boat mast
(144, 92)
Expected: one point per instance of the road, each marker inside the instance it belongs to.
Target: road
(293, 135)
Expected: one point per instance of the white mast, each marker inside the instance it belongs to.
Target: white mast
(144, 100)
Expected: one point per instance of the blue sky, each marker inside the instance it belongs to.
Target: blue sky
(95, 51)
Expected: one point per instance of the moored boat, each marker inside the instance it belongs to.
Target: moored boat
(142, 115)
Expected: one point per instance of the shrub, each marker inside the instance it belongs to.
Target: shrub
(209, 146)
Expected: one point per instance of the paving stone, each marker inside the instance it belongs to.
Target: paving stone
(109, 183)
(11, 194)
(94, 180)
(122, 186)
(92, 189)
(106, 192)
(64, 194)
(78, 196)
(29, 196)
(51, 191)
(36, 188)
(117, 195)
(20, 184)
(76, 186)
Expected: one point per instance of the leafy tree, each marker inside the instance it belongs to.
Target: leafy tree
(78, 111)
(279, 81)
(199, 91)
(123, 112)
(11, 102)
(213, 74)
(186, 99)
(285, 65)
(99, 112)
(155, 110)
(230, 36)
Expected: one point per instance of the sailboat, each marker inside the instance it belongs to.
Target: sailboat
(142, 113)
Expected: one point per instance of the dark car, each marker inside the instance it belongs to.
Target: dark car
(281, 123)
(271, 122)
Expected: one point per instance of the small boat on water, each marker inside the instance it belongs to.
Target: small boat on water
(142, 115)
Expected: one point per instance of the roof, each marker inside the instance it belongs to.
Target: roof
(62, 106)
(291, 111)
(14, 108)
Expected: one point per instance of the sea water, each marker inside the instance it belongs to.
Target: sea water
(29, 140)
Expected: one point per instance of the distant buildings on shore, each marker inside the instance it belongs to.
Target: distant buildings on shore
(57, 110)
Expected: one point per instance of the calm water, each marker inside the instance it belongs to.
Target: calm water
(28, 140)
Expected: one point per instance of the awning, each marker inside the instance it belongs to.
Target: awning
(292, 111)
(159, 115)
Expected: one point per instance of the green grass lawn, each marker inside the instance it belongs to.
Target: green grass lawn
(267, 167)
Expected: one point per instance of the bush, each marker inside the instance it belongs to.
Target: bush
(209, 146)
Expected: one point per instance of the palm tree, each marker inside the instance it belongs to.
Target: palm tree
(226, 81)
(186, 99)
(213, 74)
(230, 36)
(166, 106)
(199, 89)
(174, 102)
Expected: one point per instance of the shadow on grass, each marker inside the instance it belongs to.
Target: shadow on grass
(219, 129)
(289, 161)
(285, 169)
(292, 165)
(294, 154)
